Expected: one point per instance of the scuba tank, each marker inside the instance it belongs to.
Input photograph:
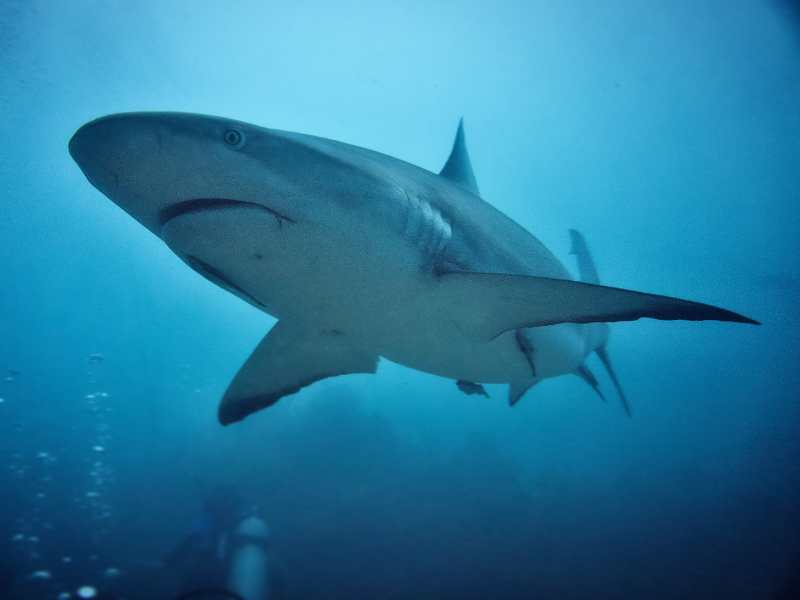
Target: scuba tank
(248, 575)
(244, 552)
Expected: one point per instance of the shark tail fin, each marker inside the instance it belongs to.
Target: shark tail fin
(602, 354)
(584, 373)
(587, 272)
(458, 167)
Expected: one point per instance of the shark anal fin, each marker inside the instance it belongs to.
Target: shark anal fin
(486, 305)
(602, 354)
(584, 373)
(458, 167)
(287, 359)
(470, 388)
(586, 268)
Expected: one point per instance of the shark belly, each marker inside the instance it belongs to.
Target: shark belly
(371, 288)
(343, 278)
(439, 346)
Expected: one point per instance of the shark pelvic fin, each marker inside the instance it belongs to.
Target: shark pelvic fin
(286, 360)
(526, 347)
(584, 373)
(587, 271)
(517, 389)
(602, 354)
(458, 167)
(486, 305)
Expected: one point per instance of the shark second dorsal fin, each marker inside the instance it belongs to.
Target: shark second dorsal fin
(458, 167)
(285, 361)
(586, 268)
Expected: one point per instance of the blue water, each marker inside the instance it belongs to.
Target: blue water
(667, 132)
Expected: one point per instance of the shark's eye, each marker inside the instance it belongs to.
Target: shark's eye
(234, 137)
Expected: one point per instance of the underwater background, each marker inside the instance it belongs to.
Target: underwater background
(667, 132)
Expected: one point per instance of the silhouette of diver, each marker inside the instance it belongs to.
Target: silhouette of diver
(226, 555)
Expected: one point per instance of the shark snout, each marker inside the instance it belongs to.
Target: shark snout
(104, 147)
(87, 151)
(99, 150)
(122, 156)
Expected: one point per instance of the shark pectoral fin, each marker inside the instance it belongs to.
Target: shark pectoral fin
(602, 354)
(286, 360)
(584, 373)
(488, 304)
(517, 389)
(458, 167)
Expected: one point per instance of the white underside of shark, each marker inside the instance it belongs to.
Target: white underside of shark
(359, 256)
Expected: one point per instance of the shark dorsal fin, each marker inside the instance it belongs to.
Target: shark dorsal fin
(458, 168)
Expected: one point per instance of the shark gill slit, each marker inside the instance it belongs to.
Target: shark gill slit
(426, 227)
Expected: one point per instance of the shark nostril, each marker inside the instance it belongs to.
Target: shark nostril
(105, 180)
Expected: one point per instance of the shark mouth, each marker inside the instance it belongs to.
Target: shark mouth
(206, 204)
(216, 276)
(201, 209)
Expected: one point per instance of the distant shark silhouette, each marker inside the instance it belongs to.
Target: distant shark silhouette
(359, 255)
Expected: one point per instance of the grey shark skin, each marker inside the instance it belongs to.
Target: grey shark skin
(357, 254)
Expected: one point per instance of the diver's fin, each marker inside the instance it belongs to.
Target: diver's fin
(587, 271)
(488, 304)
(602, 353)
(458, 167)
(286, 360)
(584, 373)
(470, 388)
(517, 389)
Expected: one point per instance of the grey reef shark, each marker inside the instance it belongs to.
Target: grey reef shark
(360, 255)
